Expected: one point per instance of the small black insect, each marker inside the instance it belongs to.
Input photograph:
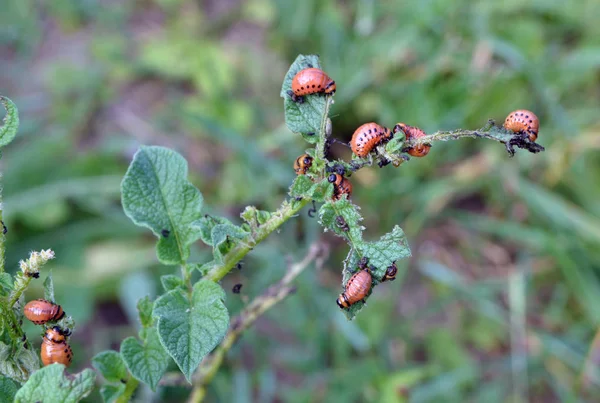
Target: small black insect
(383, 162)
(165, 233)
(4, 229)
(341, 223)
(236, 288)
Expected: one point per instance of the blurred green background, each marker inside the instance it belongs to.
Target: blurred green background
(500, 301)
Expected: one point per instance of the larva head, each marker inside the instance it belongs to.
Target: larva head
(303, 164)
(342, 301)
(55, 335)
(336, 179)
(390, 273)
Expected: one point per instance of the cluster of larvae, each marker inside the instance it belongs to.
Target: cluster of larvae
(55, 347)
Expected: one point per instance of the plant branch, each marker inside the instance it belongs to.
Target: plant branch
(321, 146)
(287, 210)
(274, 294)
(130, 388)
(489, 131)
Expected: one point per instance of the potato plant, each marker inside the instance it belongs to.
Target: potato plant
(190, 323)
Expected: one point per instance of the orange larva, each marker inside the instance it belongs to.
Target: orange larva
(55, 348)
(357, 289)
(390, 273)
(341, 186)
(367, 137)
(412, 132)
(302, 164)
(523, 121)
(311, 81)
(40, 311)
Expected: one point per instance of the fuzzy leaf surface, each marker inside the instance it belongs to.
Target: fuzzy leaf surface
(191, 327)
(52, 384)
(146, 361)
(156, 194)
(111, 365)
(10, 123)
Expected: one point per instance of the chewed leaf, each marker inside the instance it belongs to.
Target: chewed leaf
(303, 117)
(321, 191)
(206, 225)
(225, 237)
(381, 254)
(156, 194)
(343, 219)
(301, 186)
(392, 247)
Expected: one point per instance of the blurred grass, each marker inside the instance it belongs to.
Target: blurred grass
(95, 79)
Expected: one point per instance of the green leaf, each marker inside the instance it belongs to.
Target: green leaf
(110, 364)
(171, 281)
(52, 384)
(6, 282)
(254, 216)
(49, 288)
(381, 254)
(343, 219)
(110, 393)
(10, 124)
(144, 307)
(8, 390)
(206, 225)
(301, 186)
(225, 237)
(20, 365)
(321, 191)
(396, 144)
(156, 194)
(190, 328)
(390, 248)
(147, 362)
(306, 117)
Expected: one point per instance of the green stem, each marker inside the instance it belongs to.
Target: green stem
(274, 294)
(130, 388)
(490, 131)
(186, 275)
(323, 135)
(287, 210)
(21, 285)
